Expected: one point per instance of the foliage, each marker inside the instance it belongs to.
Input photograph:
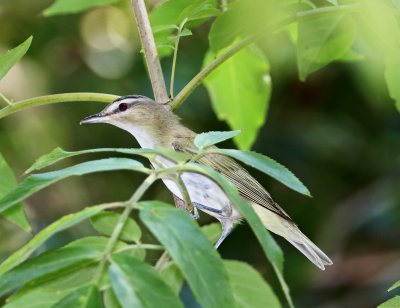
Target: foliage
(236, 73)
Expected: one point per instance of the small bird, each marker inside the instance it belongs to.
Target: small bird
(153, 125)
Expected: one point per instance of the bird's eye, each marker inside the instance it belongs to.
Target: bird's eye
(122, 107)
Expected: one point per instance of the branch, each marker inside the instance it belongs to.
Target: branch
(198, 79)
(150, 51)
(57, 98)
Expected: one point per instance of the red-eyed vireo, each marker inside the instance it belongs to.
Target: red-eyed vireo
(153, 125)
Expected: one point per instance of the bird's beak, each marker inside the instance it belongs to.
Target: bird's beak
(95, 118)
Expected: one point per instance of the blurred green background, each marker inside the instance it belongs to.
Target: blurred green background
(338, 132)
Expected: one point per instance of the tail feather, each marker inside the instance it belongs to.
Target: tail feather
(293, 235)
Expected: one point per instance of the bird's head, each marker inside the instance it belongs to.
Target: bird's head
(148, 121)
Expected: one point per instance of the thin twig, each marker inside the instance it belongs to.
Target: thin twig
(150, 51)
(178, 37)
(5, 99)
(56, 98)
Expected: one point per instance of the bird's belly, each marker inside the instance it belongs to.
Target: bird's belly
(204, 191)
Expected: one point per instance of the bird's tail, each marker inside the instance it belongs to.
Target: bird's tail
(292, 233)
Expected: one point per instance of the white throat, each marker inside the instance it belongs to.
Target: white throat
(143, 136)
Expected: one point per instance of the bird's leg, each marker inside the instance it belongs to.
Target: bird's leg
(227, 226)
(180, 204)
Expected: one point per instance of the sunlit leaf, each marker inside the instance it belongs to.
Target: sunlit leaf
(7, 183)
(137, 284)
(36, 182)
(197, 259)
(105, 223)
(8, 60)
(268, 166)
(394, 286)
(270, 247)
(63, 223)
(86, 297)
(392, 74)
(391, 303)
(212, 231)
(204, 140)
(60, 7)
(170, 14)
(321, 40)
(249, 288)
(240, 90)
(172, 277)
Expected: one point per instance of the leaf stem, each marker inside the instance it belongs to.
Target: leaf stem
(150, 51)
(198, 79)
(5, 99)
(121, 223)
(56, 98)
(171, 85)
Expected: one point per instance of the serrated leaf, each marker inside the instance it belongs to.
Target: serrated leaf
(240, 90)
(198, 261)
(9, 59)
(249, 288)
(135, 283)
(86, 297)
(270, 247)
(321, 40)
(173, 155)
(268, 166)
(63, 223)
(47, 263)
(7, 183)
(392, 74)
(394, 302)
(61, 7)
(105, 223)
(59, 154)
(172, 276)
(205, 140)
(394, 286)
(36, 182)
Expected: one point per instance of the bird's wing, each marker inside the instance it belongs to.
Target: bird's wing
(248, 187)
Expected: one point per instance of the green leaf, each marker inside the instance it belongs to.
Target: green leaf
(394, 286)
(86, 297)
(60, 7)
(249, 288)
(8, 60)
(59, 154)
(110, 299)
(170, 14)
(391, 303)
(270, 247)
(321, 40)
(105, 223)
(392, 73)
(199, 262)
(36, 182)
(268, 166)
(205, 140)
(240, 90)
(47, 263)
(137, 284)
(172, 155)
(64, 223)
(7, 183)
(172, 277)
(212, 231)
